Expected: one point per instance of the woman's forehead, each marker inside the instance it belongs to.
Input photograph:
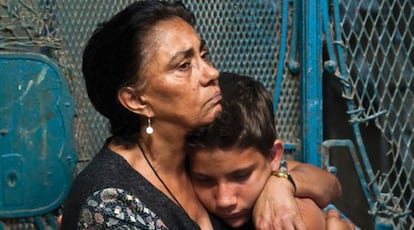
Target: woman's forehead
(174, 31)
(171, 39)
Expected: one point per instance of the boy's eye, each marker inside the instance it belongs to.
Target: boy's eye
(204, 181)
(241, 176)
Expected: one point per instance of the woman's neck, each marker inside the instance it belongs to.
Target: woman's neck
(167, 160)
(165, 152)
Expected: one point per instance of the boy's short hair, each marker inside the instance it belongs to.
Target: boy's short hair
(247, 118)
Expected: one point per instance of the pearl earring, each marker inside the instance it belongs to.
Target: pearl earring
(149, 130)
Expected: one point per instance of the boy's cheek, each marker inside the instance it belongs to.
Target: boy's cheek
(206, 197)
(204, 194)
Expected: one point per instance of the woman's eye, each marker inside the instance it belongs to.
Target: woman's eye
(206, 56)
(184, 66)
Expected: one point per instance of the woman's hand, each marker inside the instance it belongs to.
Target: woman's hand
(276, 207)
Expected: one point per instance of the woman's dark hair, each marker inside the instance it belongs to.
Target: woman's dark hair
(247, 118)
(113, 58)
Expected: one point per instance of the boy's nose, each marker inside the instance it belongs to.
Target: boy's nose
(226, 198)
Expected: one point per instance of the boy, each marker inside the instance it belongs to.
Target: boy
(231, 159)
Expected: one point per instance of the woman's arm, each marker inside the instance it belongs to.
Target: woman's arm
(315, 183)
(276, 206)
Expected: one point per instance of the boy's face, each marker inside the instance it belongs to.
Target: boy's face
(228, 182)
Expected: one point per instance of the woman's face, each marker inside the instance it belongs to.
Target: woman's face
(181, 84)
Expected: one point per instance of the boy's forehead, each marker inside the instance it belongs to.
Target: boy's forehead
(212, 153)
(210, 159)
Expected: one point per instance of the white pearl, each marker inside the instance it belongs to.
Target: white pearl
(149, 130)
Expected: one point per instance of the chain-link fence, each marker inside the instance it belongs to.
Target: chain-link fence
(373, 44)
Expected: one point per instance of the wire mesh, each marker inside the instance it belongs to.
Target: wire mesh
(379, 57)
(242, 37)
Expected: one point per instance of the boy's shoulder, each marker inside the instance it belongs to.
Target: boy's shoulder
(312, 215)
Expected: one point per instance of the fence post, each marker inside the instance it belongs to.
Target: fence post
(311, 74)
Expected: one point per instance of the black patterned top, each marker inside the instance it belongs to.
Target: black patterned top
(110, 194)
(116, 208)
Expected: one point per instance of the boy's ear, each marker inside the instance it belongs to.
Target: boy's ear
(134, 102)
(276, 154)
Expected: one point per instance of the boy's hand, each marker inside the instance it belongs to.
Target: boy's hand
(276, 207)
(335, 222)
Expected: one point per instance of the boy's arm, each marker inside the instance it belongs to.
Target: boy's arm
(312, 182)
(312, 215)
(316, 219)
(335, 222)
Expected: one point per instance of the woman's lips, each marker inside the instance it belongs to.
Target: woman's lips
(216, 98)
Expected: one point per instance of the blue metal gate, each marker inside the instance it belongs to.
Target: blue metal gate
(341, 72)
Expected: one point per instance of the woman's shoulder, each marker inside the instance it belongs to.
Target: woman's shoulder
(106, 170)
(105, 164)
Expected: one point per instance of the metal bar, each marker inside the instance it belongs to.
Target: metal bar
(328, 144)
(282, 53)
(311, 81)
(293, 63)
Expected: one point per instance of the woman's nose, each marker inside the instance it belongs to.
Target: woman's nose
(210, 74)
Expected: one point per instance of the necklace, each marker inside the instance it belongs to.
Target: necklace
(166, 187)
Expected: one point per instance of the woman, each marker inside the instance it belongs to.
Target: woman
(148, 72)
